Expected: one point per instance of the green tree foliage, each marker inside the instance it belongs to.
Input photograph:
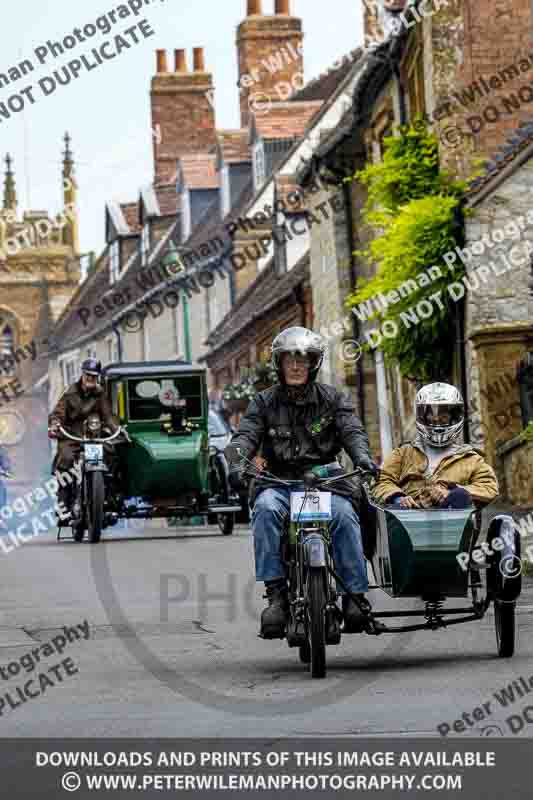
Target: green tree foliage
(414, 206)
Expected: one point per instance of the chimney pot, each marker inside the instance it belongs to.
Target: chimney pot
(199, 60)
(283, 7)
(161, 60)
(180, 61)
(254, 8)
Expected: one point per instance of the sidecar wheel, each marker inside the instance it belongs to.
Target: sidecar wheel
(504, 622)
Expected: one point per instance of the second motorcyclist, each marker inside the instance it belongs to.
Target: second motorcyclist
(296, 425)
(76, 404)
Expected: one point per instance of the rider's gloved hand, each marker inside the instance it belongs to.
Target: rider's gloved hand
(366, 463)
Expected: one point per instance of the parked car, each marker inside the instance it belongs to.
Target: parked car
(220, 434)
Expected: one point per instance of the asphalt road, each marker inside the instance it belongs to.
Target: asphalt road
(173, 650)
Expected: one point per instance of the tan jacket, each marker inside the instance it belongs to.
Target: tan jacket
(404, 471)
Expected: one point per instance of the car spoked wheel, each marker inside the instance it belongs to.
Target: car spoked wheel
(316, 621)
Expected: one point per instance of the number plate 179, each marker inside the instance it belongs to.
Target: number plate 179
(94, 453)
(315, 507)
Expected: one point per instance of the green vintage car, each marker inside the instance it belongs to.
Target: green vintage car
(167, 468)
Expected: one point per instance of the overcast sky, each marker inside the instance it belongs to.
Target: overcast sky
(107, 110)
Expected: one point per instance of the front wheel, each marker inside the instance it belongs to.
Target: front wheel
(504, 621)
(95, 505)
(316, 608)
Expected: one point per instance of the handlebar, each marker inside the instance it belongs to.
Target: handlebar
(310, 480)
(111, 438)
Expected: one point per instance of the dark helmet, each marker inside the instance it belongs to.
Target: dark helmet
(299, 340)
(91, 367)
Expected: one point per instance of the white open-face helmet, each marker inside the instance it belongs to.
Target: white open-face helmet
(299, 340)
(433, 401)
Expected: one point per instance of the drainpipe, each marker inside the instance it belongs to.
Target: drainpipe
(186, 327)
(116, 331)
(353, 286)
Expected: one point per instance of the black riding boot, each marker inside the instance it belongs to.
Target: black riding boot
(274, 617)
(356, 617)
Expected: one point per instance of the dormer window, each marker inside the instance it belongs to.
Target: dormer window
(114, 261)
(259, 165)
(145, 244)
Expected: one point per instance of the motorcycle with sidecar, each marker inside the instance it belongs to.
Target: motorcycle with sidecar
(162, 466)
(428, 554)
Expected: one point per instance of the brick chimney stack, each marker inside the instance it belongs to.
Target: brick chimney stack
(270, 53)
(182, 111)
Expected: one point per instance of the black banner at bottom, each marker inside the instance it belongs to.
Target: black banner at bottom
(212, 768)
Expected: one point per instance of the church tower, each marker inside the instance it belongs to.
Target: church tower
(39, 273)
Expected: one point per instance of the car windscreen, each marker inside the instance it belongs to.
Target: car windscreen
(152, 398)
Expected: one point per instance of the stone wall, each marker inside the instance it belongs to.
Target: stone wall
(517, 467)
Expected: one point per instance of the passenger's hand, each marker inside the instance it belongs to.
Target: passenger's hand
(260, 463)
(438, 493)
(53, 429)
(408, 502)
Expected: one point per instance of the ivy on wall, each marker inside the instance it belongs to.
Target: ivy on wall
(414, 207)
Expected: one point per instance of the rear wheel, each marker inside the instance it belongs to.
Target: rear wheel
(316, 599)
(95, 505)
(504, 621)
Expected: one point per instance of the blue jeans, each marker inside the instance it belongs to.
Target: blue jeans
(271, 509)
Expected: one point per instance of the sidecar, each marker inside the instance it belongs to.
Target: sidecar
(168, 469)
(432, 554)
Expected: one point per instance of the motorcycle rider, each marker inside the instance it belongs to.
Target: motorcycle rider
(297, 424)
(76, 404)
(434, 470)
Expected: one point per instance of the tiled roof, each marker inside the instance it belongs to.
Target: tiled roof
(287, 120)
(233, 145)
(265, 293)
(198, 171)
(131, 215)
(324, 85)
(516, 143)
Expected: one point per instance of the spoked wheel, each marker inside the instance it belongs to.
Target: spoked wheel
(504, 621)
(226, 523)
(95, 505)
(316, 599)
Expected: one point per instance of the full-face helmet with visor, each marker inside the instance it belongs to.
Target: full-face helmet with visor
(439, 414)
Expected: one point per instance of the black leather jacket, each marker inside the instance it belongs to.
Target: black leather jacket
(296, 435)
